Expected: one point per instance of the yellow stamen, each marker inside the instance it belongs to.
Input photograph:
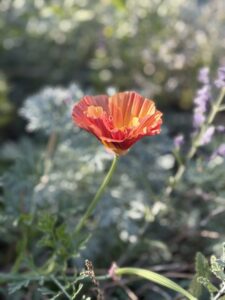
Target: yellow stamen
(134, 122)
(94, 111)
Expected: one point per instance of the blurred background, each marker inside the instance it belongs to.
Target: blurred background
(54, 52)
(154, 46)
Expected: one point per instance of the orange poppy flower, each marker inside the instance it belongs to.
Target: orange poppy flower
(118, 121)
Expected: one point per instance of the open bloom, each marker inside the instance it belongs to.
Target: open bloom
(118, 121)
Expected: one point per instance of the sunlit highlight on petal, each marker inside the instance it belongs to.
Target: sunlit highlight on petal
(94, 111)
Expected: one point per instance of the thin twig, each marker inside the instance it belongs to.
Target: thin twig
(61, 287)
(52, 141)
(220, 293)
(131, 295)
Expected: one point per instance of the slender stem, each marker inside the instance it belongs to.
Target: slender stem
(7, 277)
(61, 287)
(196, 142)
(220, 293)
(49, 152)
(222, 108)
(97, 197)
(103, 277)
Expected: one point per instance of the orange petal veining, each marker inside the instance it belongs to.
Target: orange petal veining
(118, 121)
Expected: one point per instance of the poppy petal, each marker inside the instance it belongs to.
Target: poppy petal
(118, 121)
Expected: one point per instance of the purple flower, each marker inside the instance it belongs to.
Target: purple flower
(198, 117)
(204, 91)
(221, 150)
(203, 96)
(220, 129)
(203, 75)
(207, 137)
(220, 80)
(178, 141)
(200, 104)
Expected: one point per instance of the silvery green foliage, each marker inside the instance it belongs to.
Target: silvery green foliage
(203, 282)
(49, 110)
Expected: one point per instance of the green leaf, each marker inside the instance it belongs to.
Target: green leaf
(157, 278)
(13, 287)
(26, 219)
(46, 241)
(207, 284)
(81, 243)
(196, 287)
(202, 277)
(45, 291)
(63, 236)
(202, 265)
(46, 223)
(217, 268)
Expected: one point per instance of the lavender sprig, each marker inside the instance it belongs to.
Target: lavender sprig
(220, 80)
(203, 75)
(204, 129)
(207, 136)
(203, 96)
(178, 141)
(220, 151)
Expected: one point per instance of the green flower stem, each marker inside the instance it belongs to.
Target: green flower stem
(61, 287)
(98, 195)
(52, 141)
(220, 293)
(222, 108)
(157, 278)
(8, 277)
(196, 142)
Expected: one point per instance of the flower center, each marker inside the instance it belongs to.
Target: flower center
(134, 122)
(94, 111)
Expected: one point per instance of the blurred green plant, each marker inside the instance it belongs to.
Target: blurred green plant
(6, 107)
(205, 271)
(46, 189)
(160, 44)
